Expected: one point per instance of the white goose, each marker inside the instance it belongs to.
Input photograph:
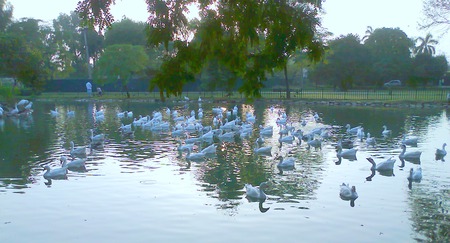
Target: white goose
(352, 130)
(182, 148)
(256, 192)
(97, 139)
(414, 155)
(78, 164)
(287, 162)
(56, 173)
(370, 141)
(77, 152)
(415, 175)
(54, 112)
(286, 139)
(441, 152)
(411, 141)
(195, 156)
(15, 111)
(382, 166)
(360, 133)
(260, 139)
(346, 193)
(211, 149)
(386, 132)
(262, 150)
(315, 143)
(226, 136)
(346, 153)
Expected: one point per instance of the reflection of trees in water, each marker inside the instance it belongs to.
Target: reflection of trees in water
(236, 165)
(300, 183)
(430, 213)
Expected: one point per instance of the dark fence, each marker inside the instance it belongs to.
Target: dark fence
(140, 87)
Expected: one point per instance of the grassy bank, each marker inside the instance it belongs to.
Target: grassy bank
(398, 95)
(424, 95)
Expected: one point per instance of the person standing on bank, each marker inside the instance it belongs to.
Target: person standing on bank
(89, 88)
(99, 91)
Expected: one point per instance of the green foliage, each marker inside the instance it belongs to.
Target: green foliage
(426, 45)
(390, 50)
(427, 68)
(125, 32)
(21, 60)
(120, 62)
(347, 62)
(248, 38)
(8, 92)
(6, 12)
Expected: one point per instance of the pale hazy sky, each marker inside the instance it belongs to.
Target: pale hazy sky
(342, 16)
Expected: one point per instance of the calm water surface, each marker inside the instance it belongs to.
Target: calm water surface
(140, 189)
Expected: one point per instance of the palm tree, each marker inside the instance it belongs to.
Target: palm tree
(426, 45)
(369, 31)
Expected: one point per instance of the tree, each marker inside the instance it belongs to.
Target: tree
(426, 45)
(125, 32)
(437, 15)
(22, 61)
(427, 68)
(25, 54)
(226, 33)
(6, 12)
(390, 50)
(120, 62)
(347, 63)
(70, 51)
(368, 32)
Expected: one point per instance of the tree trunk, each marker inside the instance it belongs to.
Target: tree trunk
(126, 90)
(288, 91)
(161, 95)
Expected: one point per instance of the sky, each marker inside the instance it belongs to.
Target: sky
(342, 16)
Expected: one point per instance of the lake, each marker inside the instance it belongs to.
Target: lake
(140, 188)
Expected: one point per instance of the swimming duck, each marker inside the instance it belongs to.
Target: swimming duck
(195, 156)
(411, 141)
(370, 140)
(256, 192)
(386, 132)
(97, 139)
(347, 193)
(77, 152)
(188, 146)
(441, 152)
(211, 149)
(262, 150)
(287, 162)
(352, 130)
(78, 164)
(347, 153)
(415, 175)
(56, 173)
(382, 166)
(415, 155)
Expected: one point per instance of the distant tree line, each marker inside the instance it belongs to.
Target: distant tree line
(268, 51)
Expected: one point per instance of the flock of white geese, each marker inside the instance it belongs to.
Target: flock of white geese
(226, 125)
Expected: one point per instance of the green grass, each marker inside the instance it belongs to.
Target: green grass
(397, 95)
